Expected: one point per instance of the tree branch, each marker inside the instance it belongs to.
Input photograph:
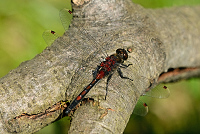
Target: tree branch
(161, 39)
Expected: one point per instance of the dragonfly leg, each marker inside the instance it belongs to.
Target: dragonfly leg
(125, 66)
(121, 74)
(109, 77)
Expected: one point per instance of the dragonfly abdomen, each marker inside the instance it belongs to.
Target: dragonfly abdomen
(80, 97)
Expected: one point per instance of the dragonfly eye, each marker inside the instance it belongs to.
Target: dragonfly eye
(123, 53)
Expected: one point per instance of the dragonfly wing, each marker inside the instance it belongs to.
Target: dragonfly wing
(161, 91)
(134, 72)
(87, 50)
(118, 85)
(65, 17)
(49, 36)
(141, 108)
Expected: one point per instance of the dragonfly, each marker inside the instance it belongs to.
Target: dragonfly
(106, 68)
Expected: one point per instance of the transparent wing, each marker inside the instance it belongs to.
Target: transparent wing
(161, 91)
(49, 36)
(65, 17)
(141, 108)
(86, 49)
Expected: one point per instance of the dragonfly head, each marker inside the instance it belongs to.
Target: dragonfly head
(122, 53)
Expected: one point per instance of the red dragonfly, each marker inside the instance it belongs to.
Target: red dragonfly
(105, 69)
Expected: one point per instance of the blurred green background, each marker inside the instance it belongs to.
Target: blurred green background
(22, 23)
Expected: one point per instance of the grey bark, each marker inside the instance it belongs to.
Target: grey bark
(160, 39)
